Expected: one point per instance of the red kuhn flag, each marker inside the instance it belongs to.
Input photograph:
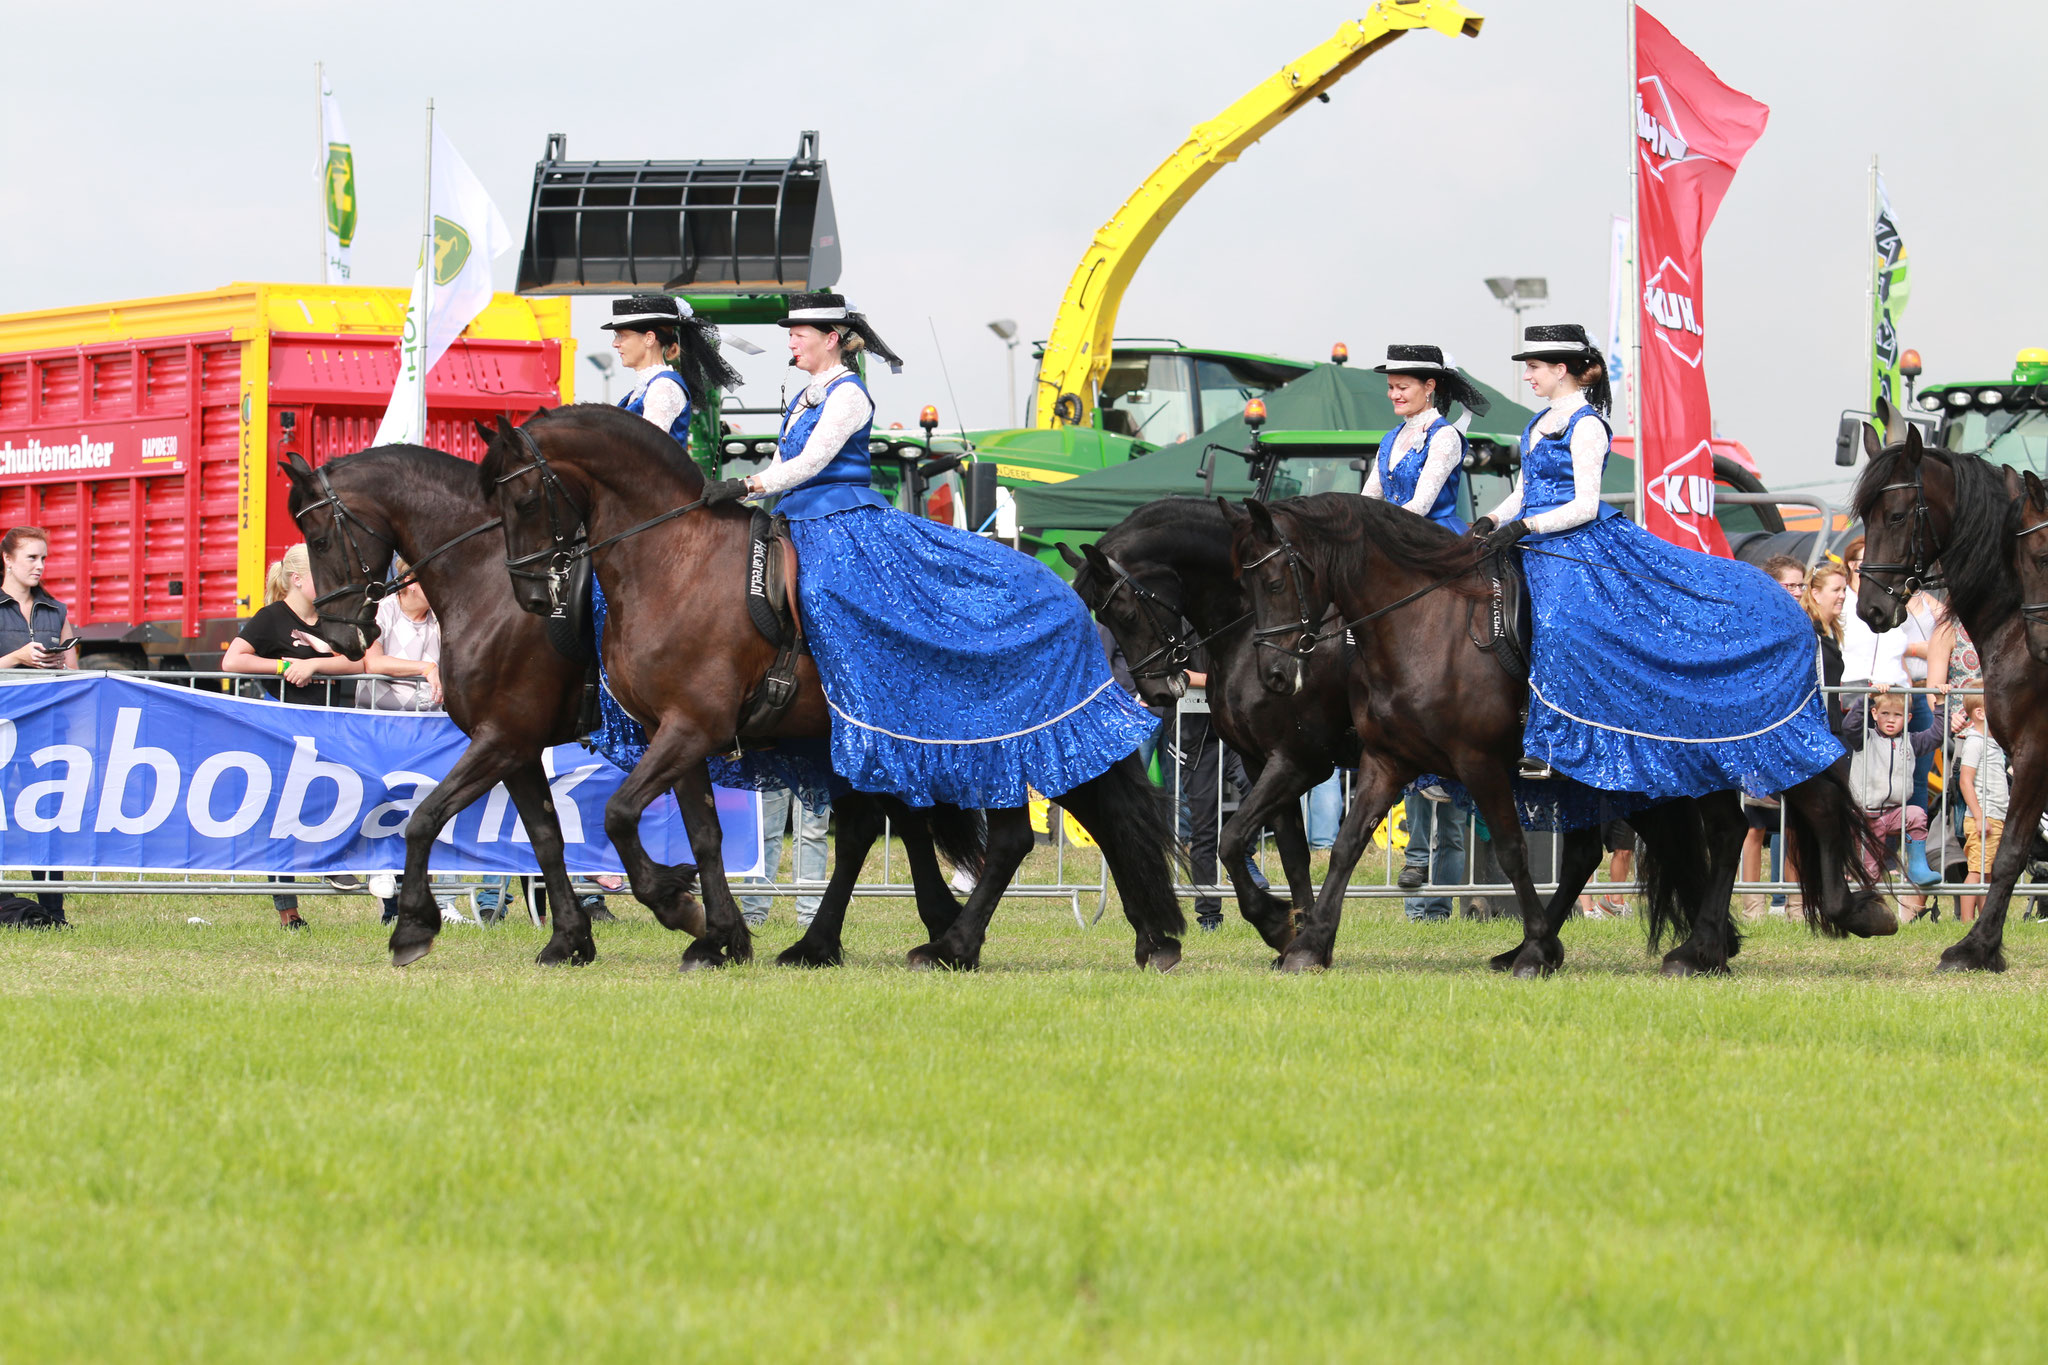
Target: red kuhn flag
(1691, 133)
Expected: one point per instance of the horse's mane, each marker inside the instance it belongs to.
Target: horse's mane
(638, 435)
(1165, 530)
(1346, 531)
(1977, 561)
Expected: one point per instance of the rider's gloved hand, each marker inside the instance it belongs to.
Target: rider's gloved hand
(1481, 528)
(1505, 537)
(725, 490)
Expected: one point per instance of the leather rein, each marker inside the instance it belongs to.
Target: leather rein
(1178, 651)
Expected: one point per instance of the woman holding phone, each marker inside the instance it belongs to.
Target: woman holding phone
(32, 622)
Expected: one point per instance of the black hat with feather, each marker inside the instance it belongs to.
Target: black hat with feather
(1427, 362)
(830, 312)
(673, 320)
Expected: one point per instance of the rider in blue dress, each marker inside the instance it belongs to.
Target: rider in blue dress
(1419, 461)
(957, 669)
(1655, 669)
(672, 357)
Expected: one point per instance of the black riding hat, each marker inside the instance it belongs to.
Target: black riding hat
(830, 312)
(645, 312)
(1556, 342)
(1427, 362)
(697, 358)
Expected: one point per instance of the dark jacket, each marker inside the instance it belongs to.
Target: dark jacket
(47, 626)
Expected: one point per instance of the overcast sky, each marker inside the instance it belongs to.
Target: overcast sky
(157, 148)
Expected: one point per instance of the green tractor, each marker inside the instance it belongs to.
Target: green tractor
(2005, 421)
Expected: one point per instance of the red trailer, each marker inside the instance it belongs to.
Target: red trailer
(144, 437)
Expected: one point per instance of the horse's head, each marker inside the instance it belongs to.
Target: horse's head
(1907, 502)
(1141, 605)
(2032, 553)
(349, 545)
(542, 512)
(1288, 600)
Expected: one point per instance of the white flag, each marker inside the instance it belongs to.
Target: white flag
(451, 287)
(338, 186)
(1621, 313)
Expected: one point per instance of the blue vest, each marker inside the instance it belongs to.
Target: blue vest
(1547, 466)
(843, 482)
(1397, 481)
(636, 402)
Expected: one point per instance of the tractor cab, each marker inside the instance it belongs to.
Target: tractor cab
(2006, 421)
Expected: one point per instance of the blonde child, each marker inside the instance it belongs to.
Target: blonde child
(1882, 758)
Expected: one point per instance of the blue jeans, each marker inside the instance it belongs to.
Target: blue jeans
(811, 866)
(1326, 810)
(1436, 840)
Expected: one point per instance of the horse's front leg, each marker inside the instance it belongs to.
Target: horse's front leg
(676, 759)
(571, 939)
(1983, 948)
(1374, 795)
(482, 766)
(1541, 952)
(1275, 798)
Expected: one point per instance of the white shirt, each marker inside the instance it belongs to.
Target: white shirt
(664, 403)
(846, 411)
(1437, 467)
(1868, 656)
(1589, 456)
(403, 638)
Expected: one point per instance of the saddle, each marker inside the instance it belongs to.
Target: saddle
(572, 634)
(1504, 633)
(772, 607)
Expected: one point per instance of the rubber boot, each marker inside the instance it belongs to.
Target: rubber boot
(1917, 870)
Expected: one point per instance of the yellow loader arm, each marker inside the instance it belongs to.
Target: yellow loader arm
(1077, 356)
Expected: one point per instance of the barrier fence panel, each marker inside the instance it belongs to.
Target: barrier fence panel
(1079, 874)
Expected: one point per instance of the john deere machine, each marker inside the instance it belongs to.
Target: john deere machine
(2004, 420)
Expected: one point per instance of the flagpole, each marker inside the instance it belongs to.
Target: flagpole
(426, 267)
(1870, 286)
(1635, 257)
(320, 158)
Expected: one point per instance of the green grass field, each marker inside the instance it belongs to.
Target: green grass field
(227, 1143)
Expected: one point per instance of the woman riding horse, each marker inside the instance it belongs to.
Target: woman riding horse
(1418, 462)
(919, 629)
(672, 356)
(1655, 670)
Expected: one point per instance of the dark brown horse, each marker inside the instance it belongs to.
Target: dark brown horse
(511, 691)
(1426, 699)
(682, 656)
(1925, 508)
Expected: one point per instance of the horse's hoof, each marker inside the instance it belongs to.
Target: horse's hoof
(930, 958)
(1952, 961)
(1868, 917)
(1504, 962)
(598, 914)
(803, 953)
(1164, 959)
(552, 956)
(1297, 960)
(701, 964)
(404, 955)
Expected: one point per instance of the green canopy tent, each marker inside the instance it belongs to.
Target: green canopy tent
(1329, 398)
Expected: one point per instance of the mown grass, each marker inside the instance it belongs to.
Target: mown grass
(224, 1143)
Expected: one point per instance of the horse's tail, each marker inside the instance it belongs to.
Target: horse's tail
(960, 835)
(1132, 820)
(1838, 826)
(1672, 865)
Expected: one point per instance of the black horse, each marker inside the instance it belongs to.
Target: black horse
(1165, 568)
(512, 692)
(683, 656)
(1923, 508)
(1427, 698)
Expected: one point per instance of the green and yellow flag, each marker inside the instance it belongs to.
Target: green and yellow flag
(338, 186)
(1894, 283)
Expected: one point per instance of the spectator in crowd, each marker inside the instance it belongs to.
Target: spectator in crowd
(1867, 657)
(1981, 775)
(278, 643)
(1881, 780)
(778, 807)
(1789, 573)
(32, 633)
(1619, 839)
(1923, 619)
(1826, 596)
(1435, 853)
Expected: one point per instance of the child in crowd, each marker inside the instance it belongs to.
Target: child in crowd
(1981, 774)
(1883, 757)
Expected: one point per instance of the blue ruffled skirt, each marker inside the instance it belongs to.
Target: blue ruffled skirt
(1660, 672)
(957, 669)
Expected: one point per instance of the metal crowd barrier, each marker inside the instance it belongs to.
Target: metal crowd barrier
(1079, 873)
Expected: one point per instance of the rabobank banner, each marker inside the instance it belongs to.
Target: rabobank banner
(126, 775)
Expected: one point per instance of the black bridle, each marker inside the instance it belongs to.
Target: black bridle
(1178, 649)
(372, 588)
(1304, 629)
(1919, 573)
(2033, 613)
(568, 542)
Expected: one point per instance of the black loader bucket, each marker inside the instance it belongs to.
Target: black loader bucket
(696, 227)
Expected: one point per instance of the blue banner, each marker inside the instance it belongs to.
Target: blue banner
(126, 775)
